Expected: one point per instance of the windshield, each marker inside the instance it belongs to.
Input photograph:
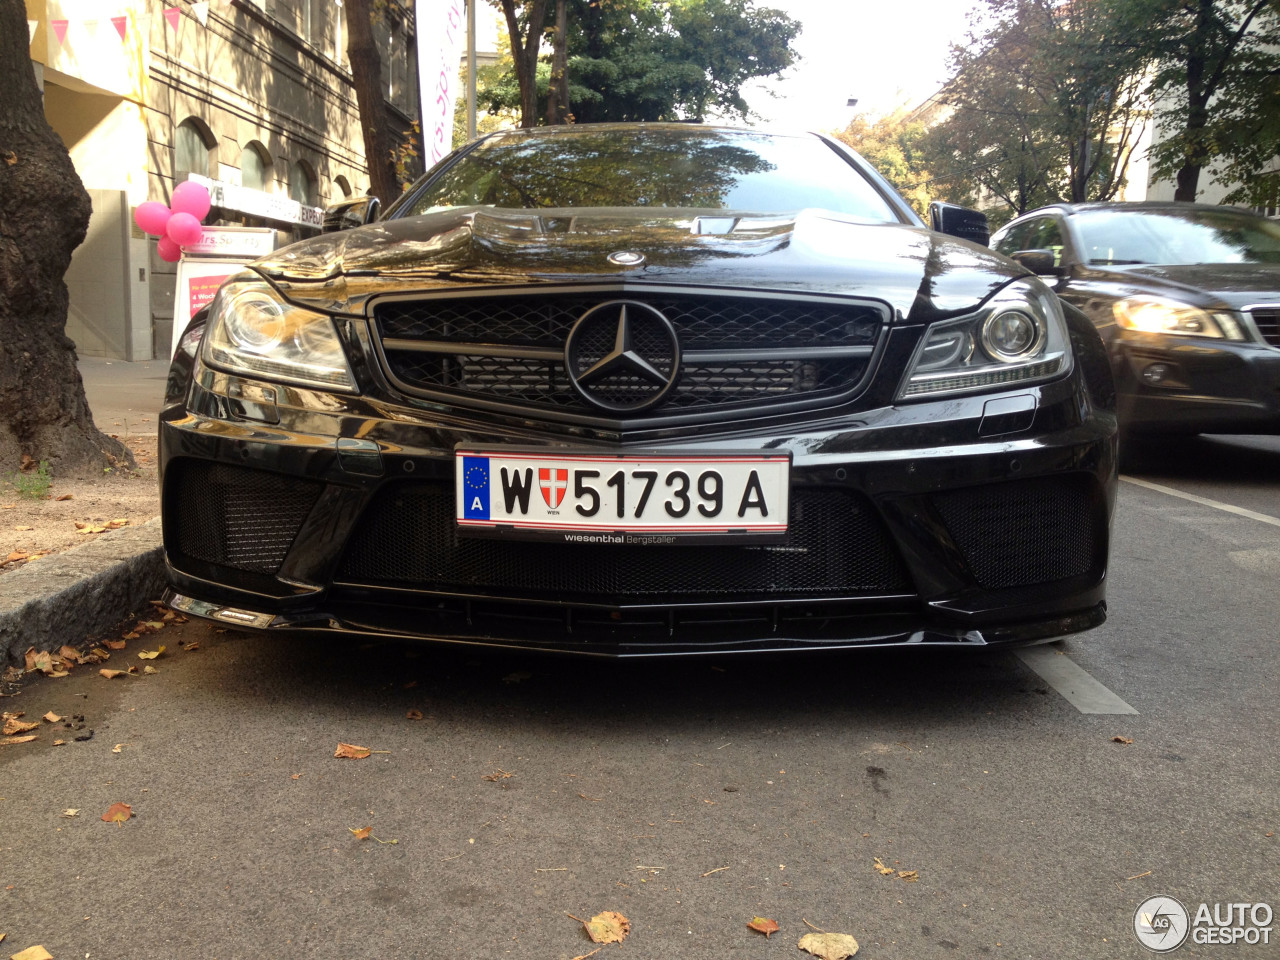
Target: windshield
(1177, 236)
(654, 167)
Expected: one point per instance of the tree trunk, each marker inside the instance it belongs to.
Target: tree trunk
(44, 213)
(558, 97)
(524, 52)
(366, 77)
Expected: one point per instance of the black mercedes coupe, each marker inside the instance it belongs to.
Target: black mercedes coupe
(642, 390)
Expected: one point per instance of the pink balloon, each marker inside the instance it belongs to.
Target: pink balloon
(184, 229)
(190, 197)
(169, 251)
(151, 217)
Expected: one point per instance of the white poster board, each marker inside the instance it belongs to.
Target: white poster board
(219, 254)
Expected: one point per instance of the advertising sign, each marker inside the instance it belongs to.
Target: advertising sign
(221, 252)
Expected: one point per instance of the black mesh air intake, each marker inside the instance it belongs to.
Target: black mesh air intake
(233, 516)
(836, 547)
(1026, 532)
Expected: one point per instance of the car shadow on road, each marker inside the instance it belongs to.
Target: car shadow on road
(916, 688)
(1250, 460)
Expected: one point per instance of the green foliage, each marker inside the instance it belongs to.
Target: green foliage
(1041, 107)
(894, 146)
(632, 60)
(1215, 77)
(32, 483)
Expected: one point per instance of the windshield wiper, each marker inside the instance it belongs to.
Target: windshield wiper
(1116, 262)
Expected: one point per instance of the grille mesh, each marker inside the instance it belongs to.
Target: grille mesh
(233, 516)
(836, 547)
(1268, 323)
(1026, 532)
(702, 323)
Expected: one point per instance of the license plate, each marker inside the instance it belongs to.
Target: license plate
(626, 498)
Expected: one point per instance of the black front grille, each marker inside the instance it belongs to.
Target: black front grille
(1027, 532)
(509, 348)
(836, 547)
(233, 516)
(1267, 320)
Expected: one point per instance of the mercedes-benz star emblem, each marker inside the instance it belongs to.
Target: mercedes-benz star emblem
(623, 356)
(626, 258)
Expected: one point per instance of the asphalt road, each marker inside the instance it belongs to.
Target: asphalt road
(689, 796)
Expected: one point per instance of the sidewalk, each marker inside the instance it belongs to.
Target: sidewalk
(86, 590)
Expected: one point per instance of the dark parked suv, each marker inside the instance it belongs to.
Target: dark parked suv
(643, 389)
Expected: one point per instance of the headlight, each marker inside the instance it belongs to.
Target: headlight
(1158, 315)
(252, 331)
(1018, 337)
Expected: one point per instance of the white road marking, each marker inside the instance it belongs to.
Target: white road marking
(1071, 680)
(1216, 504)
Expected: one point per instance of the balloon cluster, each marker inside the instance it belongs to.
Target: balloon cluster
(177, 225)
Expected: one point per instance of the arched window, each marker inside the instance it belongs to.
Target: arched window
(255, 167)
(343, 184)
(192, 143)
(302, 183)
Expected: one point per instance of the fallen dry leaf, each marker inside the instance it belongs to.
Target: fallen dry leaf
(115, 644)
(413, 715)
(350, 751)
(69, 654)
(607, 927)
(52, 717)
(23, 529)
(364, 833)
(194, 645)
(909, 876)
(584, 956)
(763, 925)
(1122, 739)
(885, 871)
(111, 674)
(149, 670)
(71, 812)
(14, 725)
(495, 777)
(89, 527)
(151, 654)
(65, 496)
(829, 946)
(117, 524)
(117, 813)
(16, 555)
(33, 953)
(8, 741)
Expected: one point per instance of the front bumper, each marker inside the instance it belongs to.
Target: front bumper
(317, 518)
(1188, 385)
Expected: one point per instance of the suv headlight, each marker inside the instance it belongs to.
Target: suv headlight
(1019, 336)
(253, 331)
(1158, 315)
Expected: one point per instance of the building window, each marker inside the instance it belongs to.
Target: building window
(255, 167)
(343, 184)
(302, 184)
(191, 150)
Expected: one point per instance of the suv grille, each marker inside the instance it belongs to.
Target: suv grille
(1267, 320)
(737, 351)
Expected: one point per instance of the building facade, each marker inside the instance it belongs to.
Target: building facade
(253, 96)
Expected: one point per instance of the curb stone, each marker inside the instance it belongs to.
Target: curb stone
(84, 591)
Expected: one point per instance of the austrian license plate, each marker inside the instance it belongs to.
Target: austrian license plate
(626, 498)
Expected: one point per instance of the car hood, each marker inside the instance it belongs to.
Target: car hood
(921, 275)
(1233, 284)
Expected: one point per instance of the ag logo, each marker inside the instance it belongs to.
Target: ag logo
(1161, 924)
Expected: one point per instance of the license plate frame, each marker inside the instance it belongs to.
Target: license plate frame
(519, 493)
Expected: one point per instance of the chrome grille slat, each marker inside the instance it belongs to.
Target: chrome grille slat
(1266, 318)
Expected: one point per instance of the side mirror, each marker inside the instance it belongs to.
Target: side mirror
(1040, 262)
(355, 212)
(957, 221)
